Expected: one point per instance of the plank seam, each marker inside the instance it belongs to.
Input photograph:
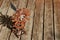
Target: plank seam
(43, 20)
(33, 24)
(53, 19)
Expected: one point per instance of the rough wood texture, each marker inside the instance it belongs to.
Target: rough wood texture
(38, 20)
(48, 20)
(44, 23)
(57, 18)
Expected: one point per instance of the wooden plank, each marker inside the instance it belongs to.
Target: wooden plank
(4, 6)
(30, 6)
(48, 21)
(57, 18)
(38, 20)
(22, 4)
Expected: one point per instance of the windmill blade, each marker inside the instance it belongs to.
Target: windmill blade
(13, 7)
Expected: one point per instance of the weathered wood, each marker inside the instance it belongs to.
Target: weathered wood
(38, 20)
(22, 4)
(44, 15)
(48, 21)
(57, 18)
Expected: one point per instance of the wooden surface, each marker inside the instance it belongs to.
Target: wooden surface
(44, 23)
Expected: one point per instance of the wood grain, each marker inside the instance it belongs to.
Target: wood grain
(38, 20)
(48, 21)
(57, 18)
(44, 19)
(22, 4)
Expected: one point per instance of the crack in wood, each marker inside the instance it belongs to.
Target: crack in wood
(53, 19)
(43, 20)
